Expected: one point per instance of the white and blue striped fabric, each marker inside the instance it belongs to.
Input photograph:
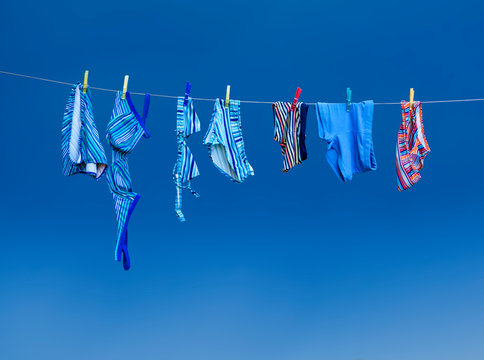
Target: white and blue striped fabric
(225, 143)
(185, 169)
(125, 129)
(82, 151)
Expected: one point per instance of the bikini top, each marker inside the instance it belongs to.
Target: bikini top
(127, 126)
(187, 122)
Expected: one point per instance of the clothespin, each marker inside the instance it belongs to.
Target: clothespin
(348, 99)
(86, 75)
(187, 93)
(125, 86)
(227, 97)
(412, 93)
(296, 98)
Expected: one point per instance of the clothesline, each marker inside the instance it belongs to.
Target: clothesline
(347, 133)
(205, 99)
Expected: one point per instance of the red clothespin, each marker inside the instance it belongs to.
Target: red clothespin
(296, 98)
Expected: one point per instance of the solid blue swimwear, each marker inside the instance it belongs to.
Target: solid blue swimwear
(349, 137)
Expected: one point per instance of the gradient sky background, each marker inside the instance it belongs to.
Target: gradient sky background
(284, 266)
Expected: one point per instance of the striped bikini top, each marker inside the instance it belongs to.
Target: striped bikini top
(127, 126)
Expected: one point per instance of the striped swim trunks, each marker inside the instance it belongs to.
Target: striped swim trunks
(125, 129)
(412, 146)
(82, 151)
(290, 132)
(185, 169)
(225, 143)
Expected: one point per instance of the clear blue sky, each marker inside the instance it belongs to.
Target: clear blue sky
(284, 266)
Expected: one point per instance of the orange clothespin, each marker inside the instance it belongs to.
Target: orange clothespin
(86, 75)
(125, 86)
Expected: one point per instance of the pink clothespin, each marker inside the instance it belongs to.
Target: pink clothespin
(296, 98)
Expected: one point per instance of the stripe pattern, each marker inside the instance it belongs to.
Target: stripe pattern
(412, 146)
(290, 132)
(82, 151)
(225, 143)
(185, 169)
(125, 130)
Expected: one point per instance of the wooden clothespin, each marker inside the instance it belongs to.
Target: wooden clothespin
(348, 99)
(296, 98)
(412, 93)
(187, 93)
(86, 75)
(227, 97)
(125, 86)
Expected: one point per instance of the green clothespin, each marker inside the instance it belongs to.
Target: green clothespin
(125, 86)
(227, 97)
(86, 75)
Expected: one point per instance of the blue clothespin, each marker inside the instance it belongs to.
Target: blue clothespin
(187, 92)
(348, 99)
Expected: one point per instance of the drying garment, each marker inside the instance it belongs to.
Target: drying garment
(82, 151)
(225, 142)
(185, 169)
(412, 146)
(290, 132)
(349, 137)
(125, 129)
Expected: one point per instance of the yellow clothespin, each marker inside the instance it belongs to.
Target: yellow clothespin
(227, 97)
(125, 86)
(86, 75)
(412, 93)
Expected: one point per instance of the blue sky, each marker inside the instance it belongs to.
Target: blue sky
(284, 266)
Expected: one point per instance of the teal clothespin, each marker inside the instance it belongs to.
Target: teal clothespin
(348, 99)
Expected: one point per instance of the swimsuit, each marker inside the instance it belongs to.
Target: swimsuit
(225, 143)
(185, 169)
(290, 132)
(125, 129)
(82, 151)
(412, 146)
(349, 137)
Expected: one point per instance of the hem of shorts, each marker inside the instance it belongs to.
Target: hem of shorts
(335, 168)
(368, 136)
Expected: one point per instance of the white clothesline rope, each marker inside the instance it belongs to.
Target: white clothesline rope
(204, 99)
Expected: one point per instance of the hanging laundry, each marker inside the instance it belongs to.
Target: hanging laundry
(185, 169)
(412, 146)
(82, 151)
(225, 143)
(125, 129)
(290, 132)
(349, 137)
